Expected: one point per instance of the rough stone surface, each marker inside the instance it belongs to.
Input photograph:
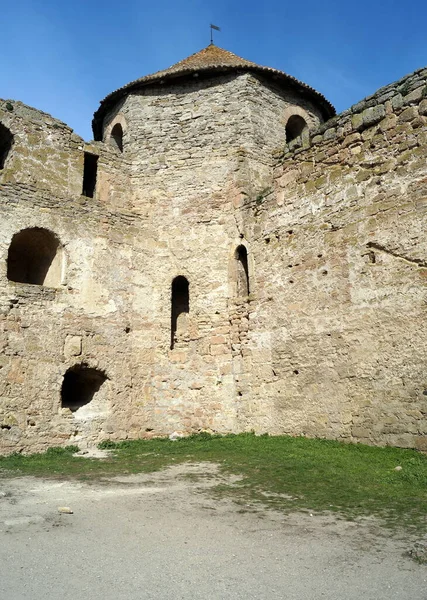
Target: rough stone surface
(329, 341)
(343, 302)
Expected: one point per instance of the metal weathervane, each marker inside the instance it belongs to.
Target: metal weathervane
(216, 29)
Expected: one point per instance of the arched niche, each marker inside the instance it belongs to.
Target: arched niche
(116, 137)
(35, 256)
(114, 132)
(6, 141)
(295, 127)
(180, 308)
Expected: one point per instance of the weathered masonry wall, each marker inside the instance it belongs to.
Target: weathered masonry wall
(341, 266)
(202, 279)
(107, 315)
(78, 316)
(47, 156)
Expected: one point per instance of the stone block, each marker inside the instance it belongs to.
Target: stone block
(361, 433)
(421, 443)
(388, 123)
(219, 349)
(72, 346)
(357, 121)
(408, 114)
(372, 116)
(178, 356)
(419, 122)
(397, 102)
(423, 107)
(330, 134)
(351, 139)
(415, 96)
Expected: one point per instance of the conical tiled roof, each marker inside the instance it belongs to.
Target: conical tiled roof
(211, 59)
(211, 56)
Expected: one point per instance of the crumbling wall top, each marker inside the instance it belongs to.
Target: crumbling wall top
(391, 99)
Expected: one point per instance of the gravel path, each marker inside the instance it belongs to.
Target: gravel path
(164, 536)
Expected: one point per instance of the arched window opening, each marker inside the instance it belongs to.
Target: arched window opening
(242, 271)
(116, 138)
(80, 385)
(180, 308)
(35, 256)
(6, 141)
(294, 127)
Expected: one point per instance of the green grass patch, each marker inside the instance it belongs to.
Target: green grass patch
(285, 473)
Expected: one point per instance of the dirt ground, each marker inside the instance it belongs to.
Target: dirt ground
(164, 535)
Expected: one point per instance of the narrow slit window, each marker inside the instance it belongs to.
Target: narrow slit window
(242, 271)
(294, 127)
(6, 141)
(116, 139)
(89, 174)
(180, 299)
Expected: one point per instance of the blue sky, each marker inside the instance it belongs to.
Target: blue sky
(64, 57)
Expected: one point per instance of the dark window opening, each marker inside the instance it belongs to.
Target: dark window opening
(80, 385)
(6, 141)
(179, 310)
(116, 139)
(35, 257)
(242, 271)
(294, 127)
(89, 174)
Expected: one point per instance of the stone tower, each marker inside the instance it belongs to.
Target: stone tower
(209, 121)
(179, 273)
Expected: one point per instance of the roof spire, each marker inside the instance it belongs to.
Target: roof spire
(216, 29)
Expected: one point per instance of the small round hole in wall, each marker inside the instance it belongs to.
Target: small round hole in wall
(372, 257)
(296, 372)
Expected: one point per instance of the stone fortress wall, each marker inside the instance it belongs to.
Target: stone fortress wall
(341, 255)
(143, 324)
